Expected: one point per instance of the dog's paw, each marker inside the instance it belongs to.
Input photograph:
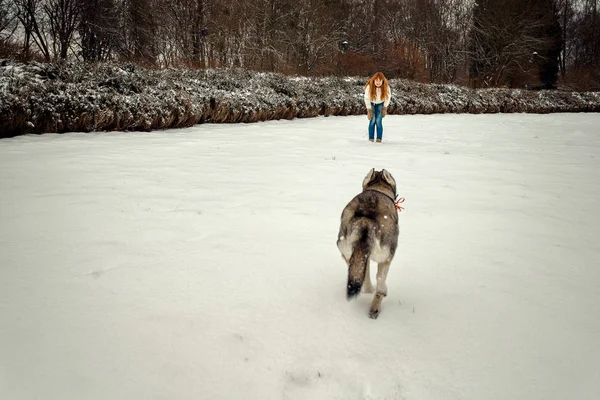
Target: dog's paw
(373, 313)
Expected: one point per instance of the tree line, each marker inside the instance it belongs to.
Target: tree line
(483, 43)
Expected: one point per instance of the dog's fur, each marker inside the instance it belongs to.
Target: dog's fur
(369, 231)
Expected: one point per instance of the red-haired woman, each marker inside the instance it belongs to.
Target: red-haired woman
(377, 99)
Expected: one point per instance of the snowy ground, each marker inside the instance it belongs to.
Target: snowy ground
(201, 263)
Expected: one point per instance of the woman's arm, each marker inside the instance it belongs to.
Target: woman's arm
(386, 102)
(368, 97)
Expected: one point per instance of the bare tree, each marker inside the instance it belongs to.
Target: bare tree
(311, 36)
(62, 17)
(506, 38)
(550, 58)
(265, 23)
(588, 34)
(566, 13)
(31, 17)
(491, 42)
(7, 19)
(97, 28)
(138, 30)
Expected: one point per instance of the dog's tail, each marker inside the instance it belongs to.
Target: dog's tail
(359, 259)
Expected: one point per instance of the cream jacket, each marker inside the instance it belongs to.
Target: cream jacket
(378, 98)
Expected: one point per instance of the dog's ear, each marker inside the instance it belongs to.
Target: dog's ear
(389, 178)
(368, 178)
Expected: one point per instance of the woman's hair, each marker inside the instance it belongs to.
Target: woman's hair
(373, 89)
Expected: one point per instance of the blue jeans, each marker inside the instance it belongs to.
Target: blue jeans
(376, 121)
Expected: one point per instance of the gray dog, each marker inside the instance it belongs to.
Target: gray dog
(369, 231)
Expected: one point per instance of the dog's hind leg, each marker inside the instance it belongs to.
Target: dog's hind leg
(382, 271)
(367, 285)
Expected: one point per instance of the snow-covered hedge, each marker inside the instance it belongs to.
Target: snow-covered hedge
(38, 98)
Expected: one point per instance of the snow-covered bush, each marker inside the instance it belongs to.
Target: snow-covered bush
(40, 98)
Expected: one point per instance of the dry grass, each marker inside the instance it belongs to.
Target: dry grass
(50, 98)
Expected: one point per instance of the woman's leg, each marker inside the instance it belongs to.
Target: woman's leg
(372, 124)
(379, 121)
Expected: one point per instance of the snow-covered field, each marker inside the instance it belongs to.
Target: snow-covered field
(201, 263)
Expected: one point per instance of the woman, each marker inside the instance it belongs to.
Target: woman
(377, 99)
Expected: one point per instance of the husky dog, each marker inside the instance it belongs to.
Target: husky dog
(369, 231)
